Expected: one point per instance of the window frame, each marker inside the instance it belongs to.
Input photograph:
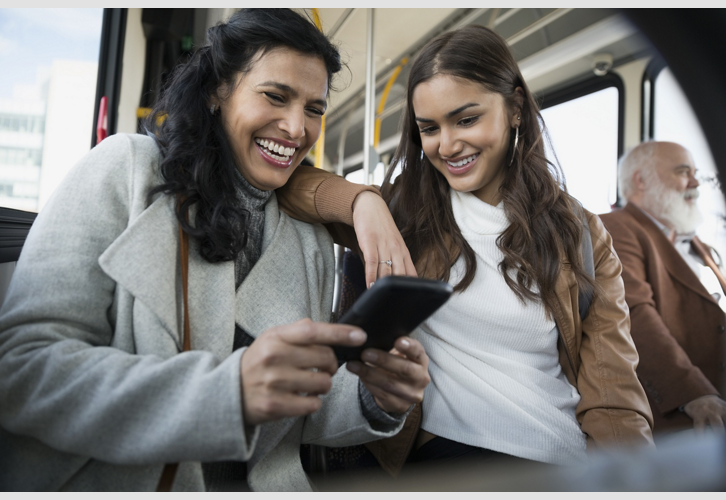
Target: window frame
(647, 100)
(14, 227)
(587, 87)
(584, 88)
(110, 66)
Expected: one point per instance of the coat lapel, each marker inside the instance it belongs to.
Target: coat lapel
(292, 280)
(211, 303)
(144, 260)
(287, 282)
(672, 260)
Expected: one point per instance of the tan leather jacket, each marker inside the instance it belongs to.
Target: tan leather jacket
(597, 355)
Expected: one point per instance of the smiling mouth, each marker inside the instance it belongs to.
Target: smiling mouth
(463, 162)
(276, 151)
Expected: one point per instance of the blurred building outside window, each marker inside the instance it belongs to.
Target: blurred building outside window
(47, 93)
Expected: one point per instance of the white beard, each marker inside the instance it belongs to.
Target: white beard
(672, 207)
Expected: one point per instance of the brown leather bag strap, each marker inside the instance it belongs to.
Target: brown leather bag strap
(184, 257)
(169, 473)
(166, 481)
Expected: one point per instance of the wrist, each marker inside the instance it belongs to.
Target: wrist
(365, 198)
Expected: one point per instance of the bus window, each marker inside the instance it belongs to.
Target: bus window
(358, 176)
(674, 120)
(46, 100)
(584, 135)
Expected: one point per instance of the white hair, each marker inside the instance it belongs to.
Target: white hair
(637, 159)
(659, 200)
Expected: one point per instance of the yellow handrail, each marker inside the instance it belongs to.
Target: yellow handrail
(384, 96)
(142, 113)
(320, 145)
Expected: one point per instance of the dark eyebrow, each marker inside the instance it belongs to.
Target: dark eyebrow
(451, 113)
(293, 92)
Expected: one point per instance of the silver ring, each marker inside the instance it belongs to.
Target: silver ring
(387, 262)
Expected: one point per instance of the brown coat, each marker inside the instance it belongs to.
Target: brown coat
(597, 355)
(676, 325)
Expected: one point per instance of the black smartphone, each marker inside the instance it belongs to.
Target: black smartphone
(393, 307)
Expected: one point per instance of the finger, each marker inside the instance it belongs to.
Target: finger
(413, 350)
(410, 268)
(311, 357)
(399, 266)
(388, 402)
(716, 422)
(406, 383)
(390, 394)
(297, 382)
(384, 269)
(306, 332)
(401, 258)
(699, 424)
(371, 260)
(392, 367)
(272, 353)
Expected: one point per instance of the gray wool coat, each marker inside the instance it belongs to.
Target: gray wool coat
(94, 393)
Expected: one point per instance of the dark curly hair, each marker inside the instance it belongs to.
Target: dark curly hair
(544, 223)
(198, 165)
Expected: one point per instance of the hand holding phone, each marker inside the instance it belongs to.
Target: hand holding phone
(396, 379)
(392, 308)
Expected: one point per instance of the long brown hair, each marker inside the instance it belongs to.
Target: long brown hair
(544, 226)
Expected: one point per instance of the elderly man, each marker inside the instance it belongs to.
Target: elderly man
(672, 286)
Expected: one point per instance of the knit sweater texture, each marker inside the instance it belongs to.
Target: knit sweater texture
(496, 381)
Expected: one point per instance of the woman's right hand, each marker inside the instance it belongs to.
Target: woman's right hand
(287, 367)
(379, 239)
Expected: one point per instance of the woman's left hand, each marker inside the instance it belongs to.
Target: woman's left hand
(379, 239)
(396, 379)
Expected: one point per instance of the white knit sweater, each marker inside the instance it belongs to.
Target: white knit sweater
(496, 381)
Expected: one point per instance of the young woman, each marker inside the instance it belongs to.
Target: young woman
(174, 242)
(515, 372)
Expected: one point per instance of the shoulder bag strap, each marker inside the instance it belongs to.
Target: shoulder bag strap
(584, 298)
(167, 476)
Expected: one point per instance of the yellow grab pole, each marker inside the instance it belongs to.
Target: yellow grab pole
(384, 96)
(320, 145)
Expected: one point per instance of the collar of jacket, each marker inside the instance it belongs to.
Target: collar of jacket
(144, 258)
(146, 254)
(672, 260)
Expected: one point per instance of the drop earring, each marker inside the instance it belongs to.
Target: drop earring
(516, 141)
(212, 108)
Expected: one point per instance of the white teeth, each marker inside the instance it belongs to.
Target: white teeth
(272, 147)
(462, 162)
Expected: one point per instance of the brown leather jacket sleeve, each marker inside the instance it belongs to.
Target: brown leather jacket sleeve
(613, 409)
(319, 197)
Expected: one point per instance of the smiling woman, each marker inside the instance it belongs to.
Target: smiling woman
(519, 372)
(183, 248)
(274, 118)
(456, 138)
(493, 219)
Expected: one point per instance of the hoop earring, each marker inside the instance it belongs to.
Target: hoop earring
(514, 149)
